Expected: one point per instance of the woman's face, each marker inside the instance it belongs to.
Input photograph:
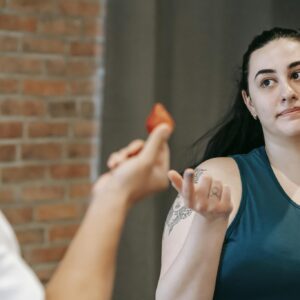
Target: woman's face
(274, 87)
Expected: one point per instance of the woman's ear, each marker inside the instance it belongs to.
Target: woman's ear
(248, 102)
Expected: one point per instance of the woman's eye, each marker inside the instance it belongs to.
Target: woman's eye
(267, 83)
(296, 75)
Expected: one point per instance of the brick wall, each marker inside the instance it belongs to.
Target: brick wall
(51, 58)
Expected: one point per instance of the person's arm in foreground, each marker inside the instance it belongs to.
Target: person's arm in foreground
(88, 268)
(191, 274)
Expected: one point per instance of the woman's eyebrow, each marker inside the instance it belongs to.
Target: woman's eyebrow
(263, 71)
(294, 64)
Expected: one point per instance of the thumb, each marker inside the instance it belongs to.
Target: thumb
(156, 139)
(176, 180)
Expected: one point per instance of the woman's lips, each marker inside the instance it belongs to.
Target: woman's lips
(289, 111)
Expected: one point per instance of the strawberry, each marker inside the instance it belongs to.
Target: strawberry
(157, 116)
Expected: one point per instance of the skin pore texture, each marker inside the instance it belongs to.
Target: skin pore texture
(195, 229)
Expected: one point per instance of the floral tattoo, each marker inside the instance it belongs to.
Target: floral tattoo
(178, 210)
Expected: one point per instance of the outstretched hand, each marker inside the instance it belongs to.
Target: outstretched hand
(139, 169)
(208, 197)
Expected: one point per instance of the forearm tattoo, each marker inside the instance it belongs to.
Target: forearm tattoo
(178, 210)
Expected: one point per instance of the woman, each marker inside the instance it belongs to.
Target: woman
(87, 270)
(232, 232)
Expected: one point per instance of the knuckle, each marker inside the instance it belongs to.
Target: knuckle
(201, 192)
(202, 207)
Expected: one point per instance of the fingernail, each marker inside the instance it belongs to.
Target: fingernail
(188, 173)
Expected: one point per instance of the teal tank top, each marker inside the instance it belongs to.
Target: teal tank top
(260, 258)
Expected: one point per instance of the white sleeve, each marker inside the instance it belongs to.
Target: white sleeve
(17, 280)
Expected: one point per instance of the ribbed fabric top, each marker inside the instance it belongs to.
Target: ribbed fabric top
(261, 253)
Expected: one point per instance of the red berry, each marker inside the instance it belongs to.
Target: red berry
(158, 116)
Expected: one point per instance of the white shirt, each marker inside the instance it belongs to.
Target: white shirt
(17, 280)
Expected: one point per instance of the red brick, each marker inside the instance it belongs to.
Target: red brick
(45, 129)
(18, 215)
(79, 8)
(6, 195)
(42, 45)
(20, 174)
(62, 109)
(80, 150)
(56, 67)
(18, 65)
(10, 129)
(70, 171)
(44, 87)
(48, 151)
(82, 87)
(7, 153)
(9, 85)
(87, 109)
(62, 232)
(81, 68)
(93, 27)
(8, 43)
(85, 128)
(30, 236)
(42, 193)
(44, 255)
(82, 190)
(18, 23)
(33, 6)
(57, 212)
(73, 68)
(61, 26)
(22, 108)
(85, 49)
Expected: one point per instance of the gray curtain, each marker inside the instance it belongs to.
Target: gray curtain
(185, 54)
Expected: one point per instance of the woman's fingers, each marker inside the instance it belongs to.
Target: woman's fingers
(208, 197)
(176, 180)
(215, 192)
(203, 187)
(188, 187)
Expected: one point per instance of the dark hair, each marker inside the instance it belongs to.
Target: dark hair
(238, 131)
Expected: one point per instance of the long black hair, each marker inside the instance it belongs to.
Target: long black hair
(238, 131)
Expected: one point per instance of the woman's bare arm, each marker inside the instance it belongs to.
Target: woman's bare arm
(195, 232)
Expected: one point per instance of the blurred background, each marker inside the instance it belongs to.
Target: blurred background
(77, 80)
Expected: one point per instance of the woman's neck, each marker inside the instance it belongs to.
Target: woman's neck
(285, 157)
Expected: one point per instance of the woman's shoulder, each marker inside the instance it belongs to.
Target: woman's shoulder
(225, 169)
(220, 168)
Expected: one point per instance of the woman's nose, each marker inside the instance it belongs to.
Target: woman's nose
(288, 93)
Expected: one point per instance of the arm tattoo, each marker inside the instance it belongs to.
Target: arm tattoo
(178, 211)
(198, 173)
